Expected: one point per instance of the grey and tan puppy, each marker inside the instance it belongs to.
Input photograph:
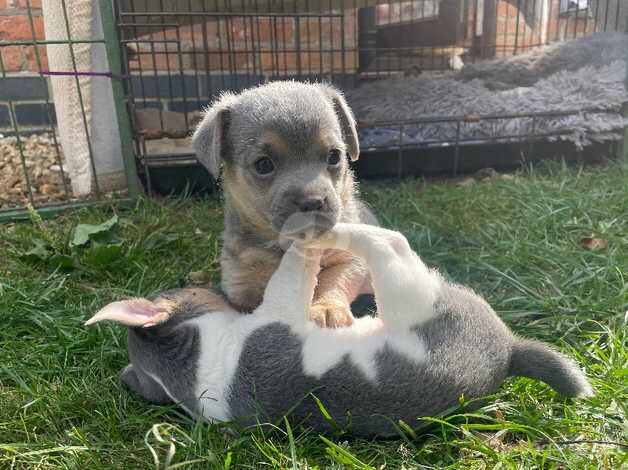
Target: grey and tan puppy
(283, 149)
(431, 343)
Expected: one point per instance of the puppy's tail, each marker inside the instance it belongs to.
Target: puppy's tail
(537, 360)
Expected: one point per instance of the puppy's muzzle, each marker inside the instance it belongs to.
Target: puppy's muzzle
(310, 204)
(304, 215)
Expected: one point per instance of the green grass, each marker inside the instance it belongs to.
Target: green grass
(514, 241)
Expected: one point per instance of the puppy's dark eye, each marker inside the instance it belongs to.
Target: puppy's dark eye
(264, 166)
(333, 158)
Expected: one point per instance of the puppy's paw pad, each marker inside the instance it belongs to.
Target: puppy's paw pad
(329, 315)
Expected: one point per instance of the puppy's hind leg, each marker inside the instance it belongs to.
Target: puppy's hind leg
(405, 289)
(288, 294)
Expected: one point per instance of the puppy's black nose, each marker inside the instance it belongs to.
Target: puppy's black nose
(310, 204)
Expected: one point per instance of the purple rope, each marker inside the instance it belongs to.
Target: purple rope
(85, 74)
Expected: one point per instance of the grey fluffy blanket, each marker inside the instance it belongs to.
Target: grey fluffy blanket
(570, 76)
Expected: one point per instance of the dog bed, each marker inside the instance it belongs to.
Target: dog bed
(587, 85)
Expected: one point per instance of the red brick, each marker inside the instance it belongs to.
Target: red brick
(218, 60)
(330, 31)
(506, 9)
(271, 62)
(266, 34)
(263, 30)
(267, 61)
(237, 30)
(12, 58)
(162, 61)
(553, 26)
(240, 31)
(267, 30)
(18, 27)
(31, 58)
(3, 4)
(349, 62)
(314, 62)
(239, 61)
(510, 26)
(33, 3)
(578, 25)
(309, 62)
(322, 31)
(508, 40)
(187, 32)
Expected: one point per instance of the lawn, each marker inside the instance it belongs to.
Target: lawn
(516, 240)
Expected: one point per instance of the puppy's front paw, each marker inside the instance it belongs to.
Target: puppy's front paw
(331, 315)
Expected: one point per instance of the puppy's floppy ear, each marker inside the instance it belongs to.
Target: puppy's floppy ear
(209, 139)
(347, 121)
(136, 312)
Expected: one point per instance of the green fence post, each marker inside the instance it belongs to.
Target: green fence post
(115, 67)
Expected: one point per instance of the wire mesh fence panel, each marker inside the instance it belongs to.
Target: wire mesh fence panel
(180, 55)
(64, 131)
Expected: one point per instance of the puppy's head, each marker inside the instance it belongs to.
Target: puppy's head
(284, 150)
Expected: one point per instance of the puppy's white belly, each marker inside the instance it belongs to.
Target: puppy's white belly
(325, 348)
(222, 339)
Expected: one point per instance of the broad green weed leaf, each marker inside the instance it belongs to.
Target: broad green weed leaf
(83, 233)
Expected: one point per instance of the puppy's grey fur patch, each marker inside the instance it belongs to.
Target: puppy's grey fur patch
(168, 353)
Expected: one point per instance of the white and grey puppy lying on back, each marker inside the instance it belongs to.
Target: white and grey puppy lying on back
(431, 343)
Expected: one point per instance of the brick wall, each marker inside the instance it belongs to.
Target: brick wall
(271, 46)
(23, 85)
(513, 33)
(15, 26)
(262, 46)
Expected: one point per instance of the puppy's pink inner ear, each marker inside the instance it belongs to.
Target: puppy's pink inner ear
(132, 312)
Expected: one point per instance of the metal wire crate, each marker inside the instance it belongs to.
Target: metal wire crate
(181, 55)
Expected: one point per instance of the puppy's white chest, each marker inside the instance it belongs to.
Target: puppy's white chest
(222, 339)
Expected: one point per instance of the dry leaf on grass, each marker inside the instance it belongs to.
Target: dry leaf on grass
(484, 174)
(466, 181)
(593, 243)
